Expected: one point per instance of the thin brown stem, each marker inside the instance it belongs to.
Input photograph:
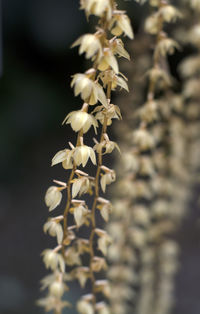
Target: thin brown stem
(93, 211)
(69, 199)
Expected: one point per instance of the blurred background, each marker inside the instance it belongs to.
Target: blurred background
(36, 66)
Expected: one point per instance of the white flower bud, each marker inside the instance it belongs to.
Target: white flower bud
(118, 48)
(143, 139)
(154, 3)
(82, 154)
(102, 308)
(166, 46)
(80, 186)
(57, 289)
(159, 76)
(194, 37)
(72, 257)
(81, 120)
(138, 237)
(55, 230)
(170, 13)
(108, 60)
(169, 249)
(53, 197)
(89, 44)
(141, 215)
(190, 66)
(149, 112)
(195, 4)
(90, 91)
(97, 7)
(122, 25)
(152, 24)
(85, 307)
(103, 241)
(82, 274)
(53, 260)
(98, 263)
(106, 179)
(103, 286)
(79, 215)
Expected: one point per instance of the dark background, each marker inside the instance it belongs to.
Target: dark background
(34, 98)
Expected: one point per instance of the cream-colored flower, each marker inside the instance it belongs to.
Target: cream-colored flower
(57, 289)
(56, 275)
(102, 308)
(141, 215)
(147, 167)
(191, 88)
(53, 259)
(90, 90)
(109, 76)
(103, 241)
(105, 208)
(194, 33)
(97, 7)
(103, 287)
(121, 24)
(98, 264)
(85, 307)
(109, 146)
(152, 24)
(82, 274)
(53, 197)
(169, 13)
(160, 209)
(108, 60)
(143, 139)
(55, 229)
(81, 120)
(195, 4)
(72, 257)
(79, 214)
(118, 48)
(90, 44)
(53, 303)
(190, 66)
(130, 161)
(64, 156)
(169, 249)
(111, 112)
(166, 46)
(82, 154)
(154, 3)
(149, 112)
(80, 186)
(107, 178)
(138, 237)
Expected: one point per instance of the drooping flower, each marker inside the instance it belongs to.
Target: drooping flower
(64, 156)
(121, 24)
(89, 90)
(53, 259)
(90, 44)
(55, 229)
(97, 7)
(82, 154)
(81, 120)
(53, 197)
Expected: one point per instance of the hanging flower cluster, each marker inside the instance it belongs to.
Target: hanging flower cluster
(94, 87)
(142, 207)
(160, 152)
